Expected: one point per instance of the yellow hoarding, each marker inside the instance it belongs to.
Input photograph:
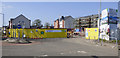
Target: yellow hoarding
(91, 33)
(38, 33)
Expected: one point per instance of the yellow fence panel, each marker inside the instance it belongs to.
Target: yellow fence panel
(91, 33)
(38, 33)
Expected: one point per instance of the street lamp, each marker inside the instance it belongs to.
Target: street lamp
(3, 17)
(3, 20)
(13, 26)
(19, 30)
(23, 30)
(15, 30)
(99, 21)
(116, 37)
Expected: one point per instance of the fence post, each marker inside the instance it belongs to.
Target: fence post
(15, 33)
(89, 37)
(116, 42)
(98, 39)
(94, 37)
(18, 33)
(102, 41)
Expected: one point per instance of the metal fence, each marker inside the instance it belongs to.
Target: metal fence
(118, 34)
(115, 34)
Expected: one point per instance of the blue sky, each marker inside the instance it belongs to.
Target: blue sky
(50, 11)
(60, 0)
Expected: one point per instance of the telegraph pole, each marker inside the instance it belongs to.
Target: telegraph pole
(23, 30)
(3, 22)
(99, 21)
(2, 16)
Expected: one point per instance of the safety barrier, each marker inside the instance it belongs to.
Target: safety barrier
(38, 33)
(91, 33)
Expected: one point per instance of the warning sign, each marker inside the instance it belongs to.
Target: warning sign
(91, 33)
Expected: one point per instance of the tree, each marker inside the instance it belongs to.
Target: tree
(51, 24)
(37, 23)
(47, 24)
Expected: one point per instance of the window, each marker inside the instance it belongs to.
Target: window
(22, 21)
(19, 22)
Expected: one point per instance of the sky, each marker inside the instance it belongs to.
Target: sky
(60, 0)
(50, 11)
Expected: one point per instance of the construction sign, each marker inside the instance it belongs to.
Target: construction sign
(91, 33)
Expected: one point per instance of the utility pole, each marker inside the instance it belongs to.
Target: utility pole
(3, 18)
(3, 21)
(23, 30)
(99, 21)
(19, 26)
(15, 31)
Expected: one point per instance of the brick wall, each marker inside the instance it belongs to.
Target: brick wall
(56, 24)
(63, 24)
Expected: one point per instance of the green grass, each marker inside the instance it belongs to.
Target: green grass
(110, 41)
(103, 40)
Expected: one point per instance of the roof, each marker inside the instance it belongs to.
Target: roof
(56, 20)
(19, 16)
(64, 18)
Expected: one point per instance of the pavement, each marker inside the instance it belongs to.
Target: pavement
(119, 51)
(0, 44)
(59, 47)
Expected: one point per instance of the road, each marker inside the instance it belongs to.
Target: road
(0, 44)
(119, 51)
(58, 47)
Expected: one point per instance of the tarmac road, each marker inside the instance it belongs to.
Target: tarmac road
(58, 47)
(119, 49)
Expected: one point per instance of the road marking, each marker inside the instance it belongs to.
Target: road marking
(113, 46)
(78, 51)
(61, 53)
(44, 55)
(81, 52)
(97, 45)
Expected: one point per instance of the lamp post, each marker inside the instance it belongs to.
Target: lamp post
(3, 17)
(13, 30)
(99, 21)
(23, 30)
(19, 31)
(116, 37)
(3, 21)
